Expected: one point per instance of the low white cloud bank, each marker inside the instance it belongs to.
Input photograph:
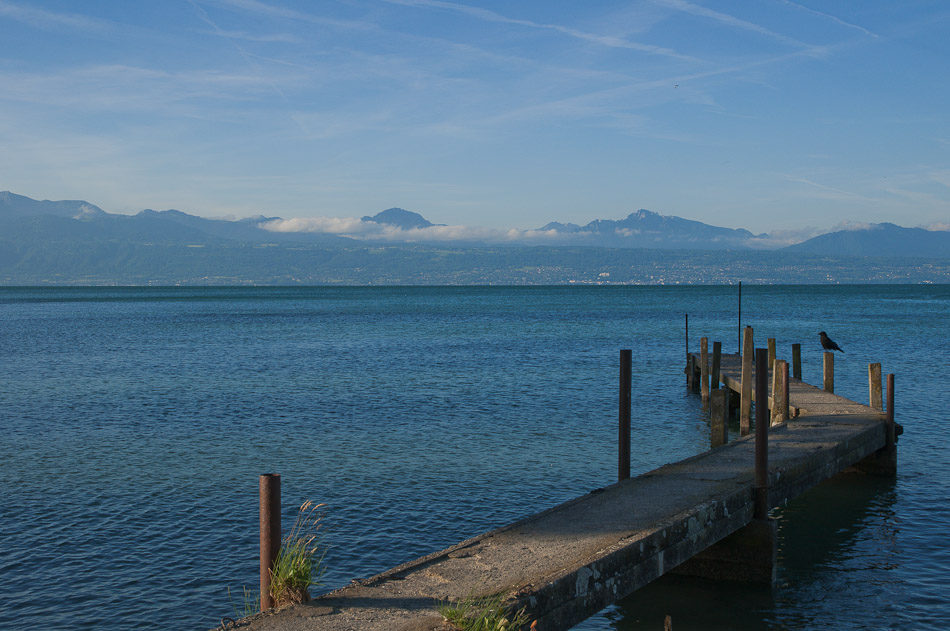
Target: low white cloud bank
(372, 231)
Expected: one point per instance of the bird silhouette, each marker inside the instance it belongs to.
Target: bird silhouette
(827, 343)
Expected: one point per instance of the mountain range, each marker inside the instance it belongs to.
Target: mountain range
(72, 241)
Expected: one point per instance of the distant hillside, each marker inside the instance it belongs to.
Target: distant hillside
(74, 242)
(647, 229)
(29, 221)
(13, 205)
(400, 218)
(883, 239)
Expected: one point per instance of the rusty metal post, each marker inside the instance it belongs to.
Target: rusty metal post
(829, 370)
(269, 490)
(891, 433)
(739, 349)
(689, 360)
(714, 375)
(623, 459)
(797, 361)
(761, 490)
(687, 334)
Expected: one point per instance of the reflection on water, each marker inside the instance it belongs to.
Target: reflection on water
(843, 526)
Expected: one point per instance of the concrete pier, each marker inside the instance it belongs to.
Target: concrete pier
(569, 562)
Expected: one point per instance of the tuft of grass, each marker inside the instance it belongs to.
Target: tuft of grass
(299, 564)
(251, 604)
(483, 614)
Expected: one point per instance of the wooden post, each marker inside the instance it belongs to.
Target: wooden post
(829, 365)
(875, 396)
(797, 361)
(745, 402)
(780, 392)
(718, 409)
(771, 343)
(773, 396)
(269, 492)
(704, 370)
(716, 361)
(623, 458)
(891, 429)
(761, 488)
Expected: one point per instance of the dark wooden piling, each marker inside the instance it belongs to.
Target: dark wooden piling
(718, 410)
(771, 344)
(797, 361)
(704, 370)
(269, 492)
(626, 372)
(761, 487)
(714, 376)
(780, 392)
(875, 396)
(829, 371)
(745, 401)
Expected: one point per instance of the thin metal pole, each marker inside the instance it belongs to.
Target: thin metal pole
(740, 318)
(891, 435)
(761, 497)
(269, 491)
(687, 334)
(623, 459)
(689, 364)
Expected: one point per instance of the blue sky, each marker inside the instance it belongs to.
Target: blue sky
(771, 115)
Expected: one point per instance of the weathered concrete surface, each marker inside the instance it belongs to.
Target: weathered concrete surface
(569, 562)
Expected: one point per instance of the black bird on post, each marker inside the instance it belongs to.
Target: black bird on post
(827, 343)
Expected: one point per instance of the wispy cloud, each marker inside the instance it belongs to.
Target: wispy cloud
(372, 231)
(284, 38)
(486, 15)
(275, 11)
(830, 192)
(50, 20)
(830, 17)
(728, 20)
(123, 88)
(783, 238)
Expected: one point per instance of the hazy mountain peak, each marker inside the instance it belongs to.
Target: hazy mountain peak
(15, 205)
(401, 218)
(880, 239)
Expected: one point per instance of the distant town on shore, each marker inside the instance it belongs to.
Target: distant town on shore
(74, 242)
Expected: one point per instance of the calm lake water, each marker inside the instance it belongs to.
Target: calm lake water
(134, 423)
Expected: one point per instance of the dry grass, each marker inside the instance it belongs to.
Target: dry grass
(483, 614)
(299, 564)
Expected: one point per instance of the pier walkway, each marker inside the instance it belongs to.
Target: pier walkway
(569, 562)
